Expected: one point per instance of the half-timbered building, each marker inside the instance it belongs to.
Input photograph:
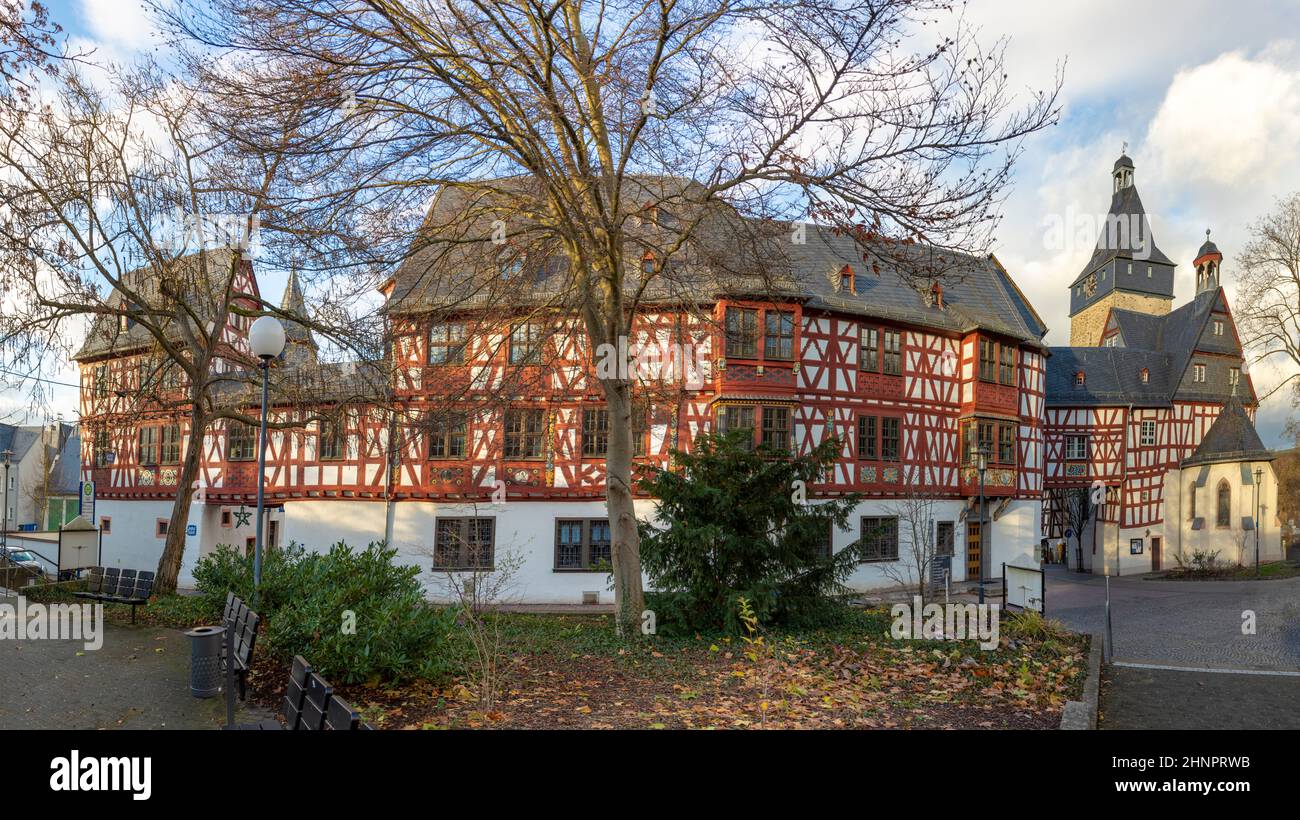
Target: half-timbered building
(1151, 454)
(490, 439)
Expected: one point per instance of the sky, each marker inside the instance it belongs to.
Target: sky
(1205, 95)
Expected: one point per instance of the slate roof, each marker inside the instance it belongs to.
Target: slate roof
(1231, 437)
(735, 256)
(18, 439)
(1164, 345)
(1112, 375)
(66, 476)
(1126, 234)
(106, 335)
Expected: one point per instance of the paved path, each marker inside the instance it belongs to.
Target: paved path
(138, 679)
(1166, 699)
(1185, 623)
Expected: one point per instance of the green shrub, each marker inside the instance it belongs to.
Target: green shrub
(1030, 625)
(355, 615)
(733, 522)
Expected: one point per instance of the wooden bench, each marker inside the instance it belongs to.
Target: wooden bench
(246, 622)
(309, 704)
(113, 585)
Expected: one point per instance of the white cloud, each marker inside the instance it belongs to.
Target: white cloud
(119, 25)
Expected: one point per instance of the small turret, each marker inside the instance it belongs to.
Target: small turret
(1207, 262)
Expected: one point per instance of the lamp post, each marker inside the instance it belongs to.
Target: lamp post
(1259, 476)
(981, 456)
(4, 527)
(266, 340)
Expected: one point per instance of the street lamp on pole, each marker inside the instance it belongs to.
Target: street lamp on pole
(4, 527)
(266, 340)
(1259, 476)
(981, 458)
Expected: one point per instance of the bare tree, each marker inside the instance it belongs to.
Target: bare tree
(918, 542)
(1077, 509)
(1268, 302)
(748, 115)
(126, 240)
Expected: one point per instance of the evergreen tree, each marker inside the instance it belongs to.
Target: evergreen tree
(734, 521)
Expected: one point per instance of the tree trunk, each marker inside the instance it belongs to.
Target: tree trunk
(629, 599)
(169, 565)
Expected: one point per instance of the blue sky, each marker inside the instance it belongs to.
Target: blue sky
(1207, 97)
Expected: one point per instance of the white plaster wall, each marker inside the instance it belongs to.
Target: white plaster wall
(1225, 540)
(133, 542)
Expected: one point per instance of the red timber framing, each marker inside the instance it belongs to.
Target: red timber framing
(824, 373)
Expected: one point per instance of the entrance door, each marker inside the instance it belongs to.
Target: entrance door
(1155, 554)
(972, 550)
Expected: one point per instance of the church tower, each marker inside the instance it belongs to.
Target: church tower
(1126, 270)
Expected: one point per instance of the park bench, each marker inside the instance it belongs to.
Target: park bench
(113, 585)
(309, 704)
(246, 622)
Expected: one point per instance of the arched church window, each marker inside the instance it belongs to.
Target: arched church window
(1225, 504)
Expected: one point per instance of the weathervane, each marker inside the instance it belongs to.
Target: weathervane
(1124, 150)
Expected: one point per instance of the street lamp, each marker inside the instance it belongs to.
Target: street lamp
(1259, 476)
(266, 340)
(981, 457)
(4, 527)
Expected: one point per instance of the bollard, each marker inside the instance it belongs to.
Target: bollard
(205, 660)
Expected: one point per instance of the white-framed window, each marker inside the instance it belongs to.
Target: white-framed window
(1218, 327)
(1149, 271)
(1076, 447)
(1234, 375)
(1198, 373)
(1148, 433)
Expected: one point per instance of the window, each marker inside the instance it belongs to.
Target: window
(742, 333)
(1111, 340)
(595, 432)
(1218, 327)
(1149, 271)
(1076, 447)
(101, 381)
(1191, 502)
(867, 437)
(171, 444)
(225, 518)
(105, 525)
(889, 439)
(1007, 370)
(1234, 375)
(846, 278)
(869, 350)
(987, 438)
(988, 361)
(447, 438)
(776, 428)
(524, 433)
(148, 437)
(101, 448)
(893, 358)
(1224, 513)
(1198, 373)
(1079, 378)
(332, 440)
(582, 544)
(463, 543)
(447, 343)
(160, 528)
(1146, 376)
(526, 343)
(1148, 434)
(880, 539)
(733, 417)
(648, 263)
(640, 412)
(242, 442)
(1129, 271)
(778, 337)
(944, 538)
(1007, 443)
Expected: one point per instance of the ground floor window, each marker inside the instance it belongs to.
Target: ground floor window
(582, 543)
(463, 543)
(880, 539)
(944, 538)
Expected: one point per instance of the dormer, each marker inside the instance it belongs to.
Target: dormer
(844, 281)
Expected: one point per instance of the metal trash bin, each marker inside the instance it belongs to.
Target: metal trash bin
(205, 660)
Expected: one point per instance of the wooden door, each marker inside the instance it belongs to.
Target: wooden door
(1155, 554)
(972, 550)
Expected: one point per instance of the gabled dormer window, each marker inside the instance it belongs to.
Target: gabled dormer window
(1146, 375)
(846, 279)
(1218, 327)
(1079, 378)
(648, 263)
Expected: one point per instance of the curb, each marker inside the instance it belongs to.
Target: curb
(1082, 714)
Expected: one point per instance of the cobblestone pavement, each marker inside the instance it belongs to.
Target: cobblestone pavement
(1184, 623)
(138, 679)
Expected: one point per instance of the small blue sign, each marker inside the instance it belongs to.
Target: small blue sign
(1069, 533)
(192, 529)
